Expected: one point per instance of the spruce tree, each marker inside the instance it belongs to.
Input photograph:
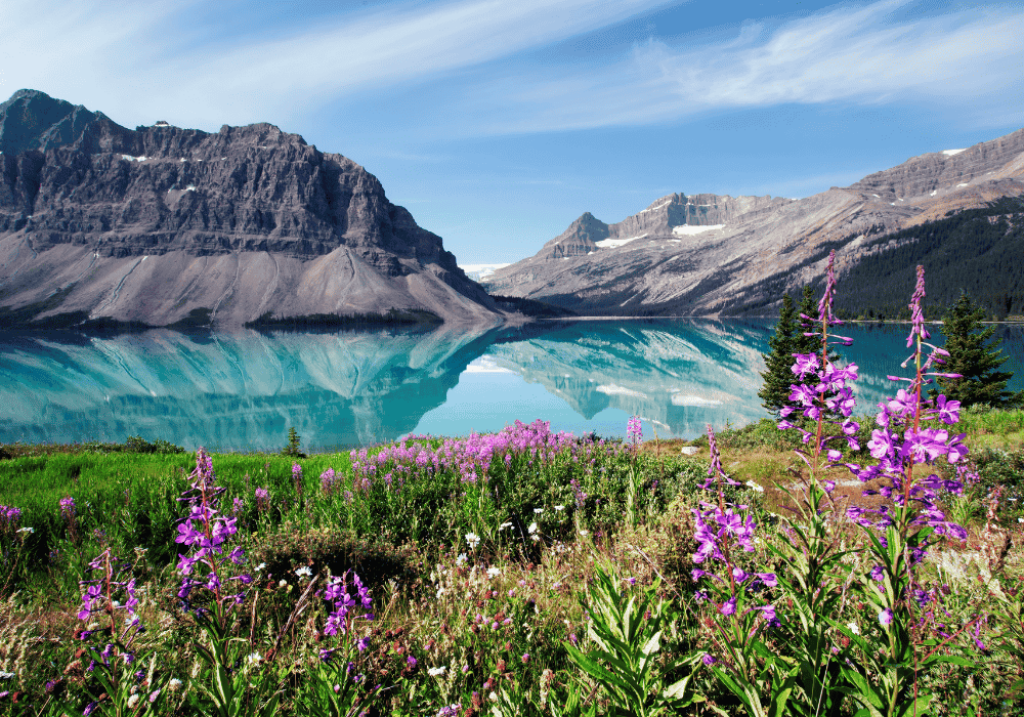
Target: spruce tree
(778, 374)
(808, 307)
(972, 357)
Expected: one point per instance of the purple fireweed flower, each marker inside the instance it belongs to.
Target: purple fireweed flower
(634, 429)
(206, 533)
(9, 516)
(262, 500)
(327, 481)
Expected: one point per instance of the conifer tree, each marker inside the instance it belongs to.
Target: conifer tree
(809, 308)
(778, 374)
(972, 357)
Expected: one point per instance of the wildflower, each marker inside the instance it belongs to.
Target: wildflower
(436, 671)
(493, 572)
(411, 661)
(708, 660)
(304, 572)
(461, 560)
(634, 429)
(133, 701)
(174, 684)
(559, 508)
(532, 529)
(26, 530)
(885, 617)
(525, 658)
(282, 584)
(538, 511)
(473, 539)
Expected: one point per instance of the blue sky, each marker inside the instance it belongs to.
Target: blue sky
(498, 122)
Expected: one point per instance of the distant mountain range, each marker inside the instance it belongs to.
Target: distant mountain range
(168, 226)
(956, 211)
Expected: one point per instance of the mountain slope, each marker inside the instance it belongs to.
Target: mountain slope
(709, 254)
(160, 224)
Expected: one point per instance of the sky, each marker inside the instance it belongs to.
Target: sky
(499, 122)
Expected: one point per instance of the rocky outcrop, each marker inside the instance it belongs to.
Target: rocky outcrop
(154, 224)
(706, 254)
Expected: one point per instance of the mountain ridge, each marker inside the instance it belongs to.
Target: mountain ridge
(153, 224)
(705, 254)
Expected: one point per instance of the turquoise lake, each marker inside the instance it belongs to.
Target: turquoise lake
(241, 391)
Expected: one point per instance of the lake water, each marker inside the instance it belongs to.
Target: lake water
(241, 391)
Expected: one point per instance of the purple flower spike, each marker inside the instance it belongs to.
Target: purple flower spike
(635, 430)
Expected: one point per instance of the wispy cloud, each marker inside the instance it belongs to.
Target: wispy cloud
(866, 54)
(142, 52)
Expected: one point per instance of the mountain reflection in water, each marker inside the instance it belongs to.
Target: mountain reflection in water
(242, 391)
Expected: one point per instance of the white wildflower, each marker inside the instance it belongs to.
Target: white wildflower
(754, 486)
(133, 701)
(254, 658)
(538, 511)
(503, 526)
(282, 584)
(27, 530)
(461, 560)
(853, 628)
(493, 572)
(260, 567)
(584, 532)
(174, 685)
(532, 529)
(436, 671)
(473, 539)
(559, 508)
(304, 572)
(6, 675)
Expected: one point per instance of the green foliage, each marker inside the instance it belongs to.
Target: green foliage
(778, 376)
(293, 449)
(626, 628)
(976, 359)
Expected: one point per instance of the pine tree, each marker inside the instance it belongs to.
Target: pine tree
(977, 362)
(808, 307)
(778, 374)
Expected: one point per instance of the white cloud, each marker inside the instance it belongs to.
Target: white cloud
(852, 54)
(141, 59)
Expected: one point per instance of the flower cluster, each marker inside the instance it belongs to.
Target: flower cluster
(329, 482)
(823, 391)
(720, 530)
(909, 434)
(206, 533)
(297, 480)
(9, 516)
(343, 606)
(262, 500)
(635, 429)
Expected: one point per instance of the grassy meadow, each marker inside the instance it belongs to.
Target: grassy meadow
(524, 573)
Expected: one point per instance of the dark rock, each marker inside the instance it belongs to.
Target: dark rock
(153, 224)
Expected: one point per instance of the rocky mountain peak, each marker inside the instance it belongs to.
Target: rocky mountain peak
(79, 188)
(32, 120)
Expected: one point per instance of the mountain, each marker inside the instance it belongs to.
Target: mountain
(161, 225)
(709, 254)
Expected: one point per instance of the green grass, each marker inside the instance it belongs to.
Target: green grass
(433, 596)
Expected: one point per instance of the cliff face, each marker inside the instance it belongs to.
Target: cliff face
(152, 224)
(703, 254)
